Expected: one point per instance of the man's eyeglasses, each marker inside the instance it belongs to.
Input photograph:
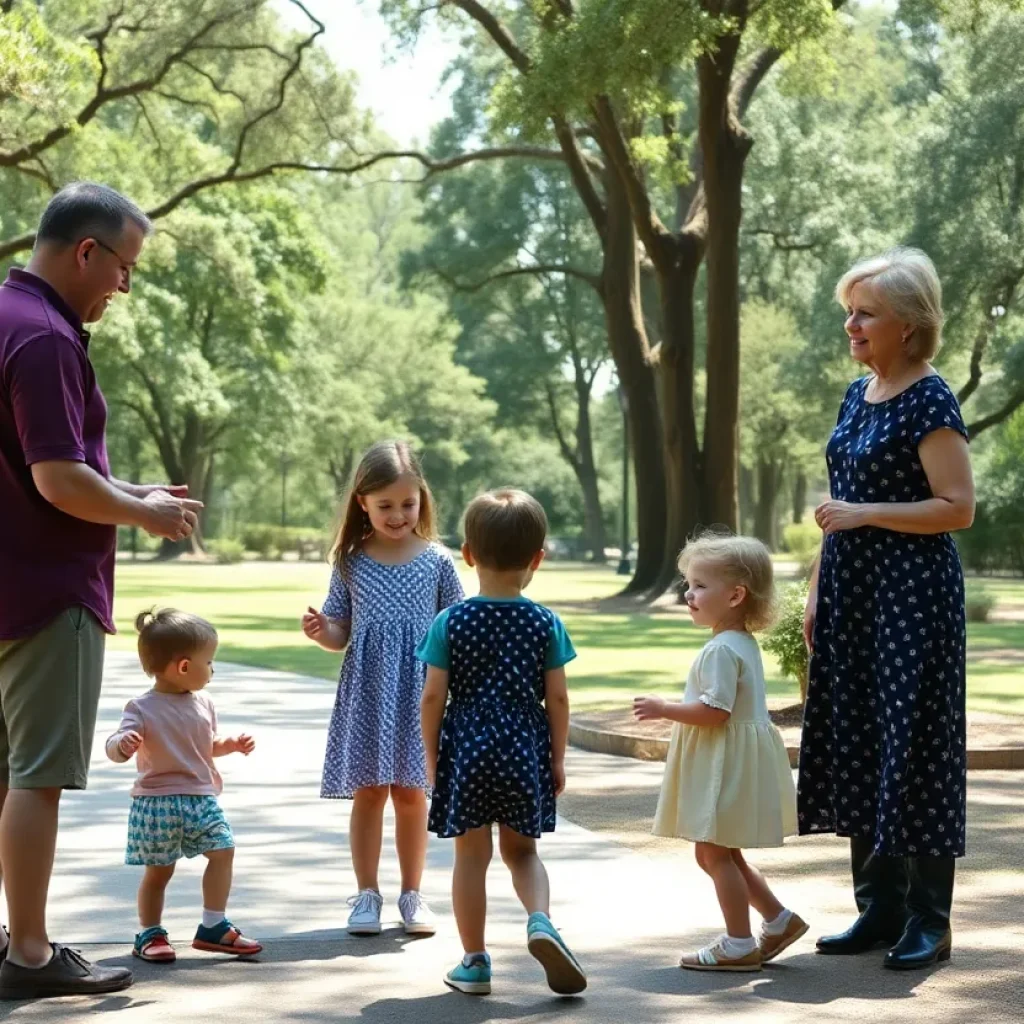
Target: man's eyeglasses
(126, 267)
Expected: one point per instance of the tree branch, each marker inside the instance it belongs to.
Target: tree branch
(568, 453)
(580, 164)
(496, 29)
(1002, 296)
(751, 77)
(104, 95)
(649, 227)
(981, 340)
(535, 271)
(781, 242)
(1002, 413)
(229, 176)
(282, 86)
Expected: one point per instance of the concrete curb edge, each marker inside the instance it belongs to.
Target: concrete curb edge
(649, 748)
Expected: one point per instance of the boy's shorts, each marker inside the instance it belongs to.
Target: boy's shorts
(163, 829)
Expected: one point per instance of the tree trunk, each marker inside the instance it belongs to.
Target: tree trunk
(724, 147)
(677, 277)
(585, 468)
(197, 467)
(799, 496)
(769, 480)
(593, 519)
(747, 492)
(629, 347)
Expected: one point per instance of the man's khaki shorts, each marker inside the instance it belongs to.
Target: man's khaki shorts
(49, 693)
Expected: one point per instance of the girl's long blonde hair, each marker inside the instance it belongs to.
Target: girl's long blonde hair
(744, 562)
(379, 467)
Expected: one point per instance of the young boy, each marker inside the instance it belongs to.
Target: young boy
(172, 730)
(495, 717)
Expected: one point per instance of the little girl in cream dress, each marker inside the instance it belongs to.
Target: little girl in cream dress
(728, 785)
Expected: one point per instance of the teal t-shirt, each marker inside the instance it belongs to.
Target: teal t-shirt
(433, 649)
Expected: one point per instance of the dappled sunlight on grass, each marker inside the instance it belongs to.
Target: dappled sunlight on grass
(623, 649)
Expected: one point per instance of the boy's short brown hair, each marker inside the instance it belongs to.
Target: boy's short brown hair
(167, 635)
(505, 529)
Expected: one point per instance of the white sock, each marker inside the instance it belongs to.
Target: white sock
(467, 960)
(212, 918)
(779, 925)
(738, 947)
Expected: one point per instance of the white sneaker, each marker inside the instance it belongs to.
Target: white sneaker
(416, 915)
(365, 916)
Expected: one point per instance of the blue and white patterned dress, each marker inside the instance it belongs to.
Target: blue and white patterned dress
(883, 750)
(375, 737)
(494, 754)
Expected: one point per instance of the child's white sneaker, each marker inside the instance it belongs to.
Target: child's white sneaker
(365, 917)
(417, 917)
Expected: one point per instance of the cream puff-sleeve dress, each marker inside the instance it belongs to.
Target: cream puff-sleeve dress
(730, 784)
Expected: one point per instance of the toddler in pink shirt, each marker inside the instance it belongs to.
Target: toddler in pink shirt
(172, 732)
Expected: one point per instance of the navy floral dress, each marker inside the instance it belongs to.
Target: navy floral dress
(883, 751)
(375, 737)
(494, 755)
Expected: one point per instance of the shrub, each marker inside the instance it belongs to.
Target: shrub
(979, 602)
(798, 538)
(995, 543)
(786, 638)
(226, 551)
(271, 542)
(260, 539)
(144, 543)
(803, 542)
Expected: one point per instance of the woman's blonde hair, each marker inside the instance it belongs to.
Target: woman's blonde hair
(744, 562)
(380, 467)
(910, 286)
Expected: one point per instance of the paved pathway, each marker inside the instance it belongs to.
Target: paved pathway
(627, 903)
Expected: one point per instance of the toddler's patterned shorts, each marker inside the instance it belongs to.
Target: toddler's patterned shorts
(163, 829)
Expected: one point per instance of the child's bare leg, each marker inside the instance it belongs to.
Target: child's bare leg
(473, 852)
(217, 879)
(730, 886)
(365, 834)
(762, 899)
(216, 890)
(529, 876)
(151, 894)
(410, 834)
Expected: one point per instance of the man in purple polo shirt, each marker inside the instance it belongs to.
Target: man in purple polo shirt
(61, 509)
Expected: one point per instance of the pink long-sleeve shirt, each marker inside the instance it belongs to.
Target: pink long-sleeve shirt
(176, 756)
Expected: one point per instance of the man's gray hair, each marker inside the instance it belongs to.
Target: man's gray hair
(85, 209)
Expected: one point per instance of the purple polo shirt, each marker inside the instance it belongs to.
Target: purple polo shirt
(50, 408)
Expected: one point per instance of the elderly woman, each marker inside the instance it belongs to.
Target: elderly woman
(883, 755)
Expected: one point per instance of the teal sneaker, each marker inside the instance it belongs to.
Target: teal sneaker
(565, 976)
(474, 980)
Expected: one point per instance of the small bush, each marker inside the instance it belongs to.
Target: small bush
(803, 542)
(786, 638)
(799, 538)
(995, 543)
(144, 543)
(226, 551)
(259, 539)
(979, 602)
(271, 542)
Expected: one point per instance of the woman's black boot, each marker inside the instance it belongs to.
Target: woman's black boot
(927, 939)
(880, 888)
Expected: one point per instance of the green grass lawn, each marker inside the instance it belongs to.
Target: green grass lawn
(622, 651)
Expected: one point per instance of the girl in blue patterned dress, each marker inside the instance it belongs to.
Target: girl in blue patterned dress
(883, 750)
(389, 580)
(495, 724)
